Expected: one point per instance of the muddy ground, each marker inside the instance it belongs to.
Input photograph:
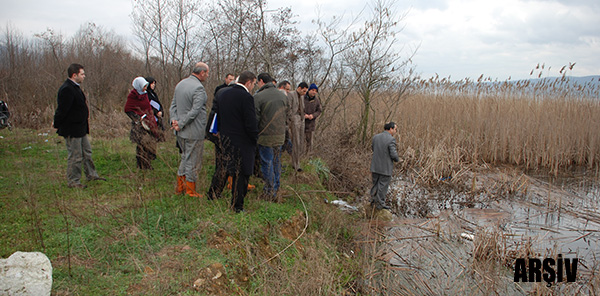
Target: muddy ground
(463, 237)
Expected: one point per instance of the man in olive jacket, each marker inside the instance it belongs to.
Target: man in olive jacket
(71, 122)
(271, 107)
(384, 152)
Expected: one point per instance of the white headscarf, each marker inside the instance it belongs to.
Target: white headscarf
(139, 83)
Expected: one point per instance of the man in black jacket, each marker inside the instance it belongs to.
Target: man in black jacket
(229, 78)
(238, 132)
(71, 122)
(220, 175)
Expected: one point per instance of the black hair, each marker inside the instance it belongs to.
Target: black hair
(283, 84)
(74, 69)
(265, 77)
(245, 77)
(303, 85)
(390, 125)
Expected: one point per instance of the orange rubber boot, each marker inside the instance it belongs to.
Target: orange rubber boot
(180, 185)
(229, 182)
(190, 189)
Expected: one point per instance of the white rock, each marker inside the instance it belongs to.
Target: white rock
(26, 273)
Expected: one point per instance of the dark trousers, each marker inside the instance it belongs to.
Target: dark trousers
(239, 188)
(219, 178)
(308, 137)
(379, 190)
(232, 160)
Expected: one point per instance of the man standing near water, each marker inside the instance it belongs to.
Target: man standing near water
(382, 166)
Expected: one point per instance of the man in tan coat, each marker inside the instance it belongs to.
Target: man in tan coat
(296, 123)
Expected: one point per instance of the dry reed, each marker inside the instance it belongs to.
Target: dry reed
(445, 127)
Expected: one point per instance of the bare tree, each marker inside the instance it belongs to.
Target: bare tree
(168, 35)
(336, 84)
(375, 60)
(109, 65)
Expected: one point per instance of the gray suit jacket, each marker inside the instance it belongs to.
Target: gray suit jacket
(384, 152)
(189, 108)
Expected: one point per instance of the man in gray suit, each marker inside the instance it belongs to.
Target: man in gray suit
(188, 119)
(384, 152)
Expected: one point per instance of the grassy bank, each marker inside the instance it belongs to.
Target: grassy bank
(133, 235)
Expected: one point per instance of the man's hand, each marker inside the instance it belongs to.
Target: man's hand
(175, 125)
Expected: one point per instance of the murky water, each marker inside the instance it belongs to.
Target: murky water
(551, 216)
(551, 231)
(557, 219)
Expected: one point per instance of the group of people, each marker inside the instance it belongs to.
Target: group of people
(242, 125)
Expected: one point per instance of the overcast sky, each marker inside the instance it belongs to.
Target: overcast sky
(457, 38)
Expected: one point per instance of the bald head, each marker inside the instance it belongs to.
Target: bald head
(200, 70)
(199, 67)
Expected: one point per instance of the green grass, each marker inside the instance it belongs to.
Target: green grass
(133, 235)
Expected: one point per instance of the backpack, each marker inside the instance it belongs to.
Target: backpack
(4, 115)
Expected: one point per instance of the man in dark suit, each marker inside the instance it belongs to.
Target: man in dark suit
(238, 132)
(229, 78)
(220, 175)
(71, 122)
(384, 152)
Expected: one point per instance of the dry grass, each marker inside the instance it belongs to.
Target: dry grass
(555, 134)
(447, 128)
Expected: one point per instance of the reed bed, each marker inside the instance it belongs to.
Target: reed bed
(445, 128)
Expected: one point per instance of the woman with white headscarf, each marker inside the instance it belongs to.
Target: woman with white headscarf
(144, 129)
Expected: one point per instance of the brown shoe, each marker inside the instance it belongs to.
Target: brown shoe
(250, 186)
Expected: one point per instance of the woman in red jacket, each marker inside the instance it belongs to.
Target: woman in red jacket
(144, 129)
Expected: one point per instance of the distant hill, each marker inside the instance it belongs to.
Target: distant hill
(568, 86)
(593, 79)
